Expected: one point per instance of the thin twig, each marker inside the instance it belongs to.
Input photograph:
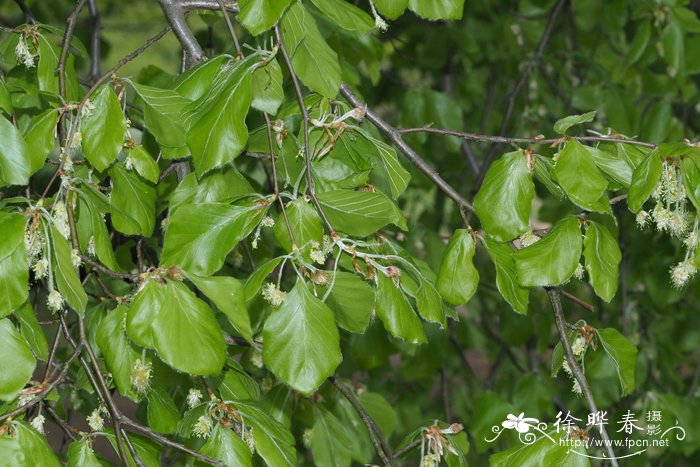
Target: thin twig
(275, 181)
(311, 189)
(375, 434)
(65, 46)
(573, 298)
(575, 368)
(537, 140)
(231, 30)
(409, 447)
(395, 137)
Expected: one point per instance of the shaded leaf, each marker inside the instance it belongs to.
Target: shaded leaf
(603, 258)
(458, 278)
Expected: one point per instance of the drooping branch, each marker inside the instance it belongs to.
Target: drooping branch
(305, 117)
(395, 137)
(375, 434)
(575, 368)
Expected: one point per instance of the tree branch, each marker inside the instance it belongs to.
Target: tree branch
(96, 27)
(65, 46)
(538, 140)
(575, 368)
(311, 189)
(395, 137)
(375, 434)
(175, 14)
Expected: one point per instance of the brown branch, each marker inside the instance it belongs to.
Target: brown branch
(375, 434)
(573, 298)
(28, 15)
(575, 368)
(117, 275)
(65, 46)
(395, 137)
(137, 428)
(175, 15)
(275, 182)
(231, 31)
(311, 189)
(533, 140)
(96, 27)
(409, 447)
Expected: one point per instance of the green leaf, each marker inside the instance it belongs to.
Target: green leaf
(273, 441)
(200, 236)
(345, 15)
(506, 277)
(216, 128)
(100, 234)
(16, 361)
(118, 352)
(352, 300)
(639, 43)
(198, 80)
(314, 61)
(237, 385)
(23, 445)
(690, 170)
(330, 442)
(267, 88)
(143, 163)
(430, 305)
(258, 16)
(397, 175)
(80, 454)
(437, 9)
(578, 175)
(546, 450)
(622, 354)
(644, 179)
(360, 213)
(133, 202)
(302, 345)
(217, 186)
(603, 258)
(103, 129)
(48, 61)
(553, 259)
(673, 43)
(227, 446)
(458, 278)
(392, 9)
(305, 223)
(31, 330)
(40, 138)
(14, 268)
(504, 200)
(162, 413)
(67, 279)
(161, 112)
(255, 280)
(170, 319)
(567, 122)
(227, 294)
(147, 450)
(15, 158)
(5, 99)
(380, 410)
(613, 165)
(396, 313)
